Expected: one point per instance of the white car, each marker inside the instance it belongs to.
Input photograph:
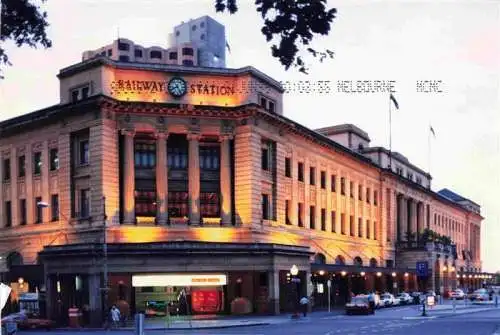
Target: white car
(458, 294)
(386, 299)
(405, 298)
(480, 295)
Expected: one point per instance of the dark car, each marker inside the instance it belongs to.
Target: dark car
(29, 321)
(359, 305)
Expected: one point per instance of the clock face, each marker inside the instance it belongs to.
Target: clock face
(177, 87)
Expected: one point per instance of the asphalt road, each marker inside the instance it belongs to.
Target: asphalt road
(390, 321)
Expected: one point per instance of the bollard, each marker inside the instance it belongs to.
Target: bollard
(139, 324)
(496, 300)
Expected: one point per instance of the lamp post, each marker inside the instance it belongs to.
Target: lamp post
(294, 271)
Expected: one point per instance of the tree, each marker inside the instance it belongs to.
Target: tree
(292, 23)
(23, 23)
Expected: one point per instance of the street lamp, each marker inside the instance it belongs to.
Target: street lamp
(294, 271)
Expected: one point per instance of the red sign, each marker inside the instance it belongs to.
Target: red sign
(205, 301)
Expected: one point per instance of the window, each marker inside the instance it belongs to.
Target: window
(187, 52)
(342, 185)
(177, 33)
(375, 198)
(323, 219)
(360, 227)
(145, 203)
(368, 195)
(287, 212)
(202, 24)
(266, 153)
(333, 183)
(177, 157)
(351, 189)
(54, 206)
(85, 92)
(263, 102)
(155, 54)
(334, 221)
(312, 175)
(323, 179)
(21, 165)
(351, 225)
(54, 159)
(368, 232)
(202, 37)
(209, 158)
(375, 232)
(38, 211)
(83, 149)
(178, 205)
(80, 93)
(187, 62)
(288, 167)
(22, 211)
(124, 58)
(360, 192)
(145, 154)
(300, 172)
(172, 55)
(270, 107)
(342, 223)
(312, 217)
(84, 203)
(6, 169)
(37, 163)
(110, 52)
(193, 27)
(8, 214)
(123, 46)
(74, 95)
(265, 206)
(138, 53)
(300, 214)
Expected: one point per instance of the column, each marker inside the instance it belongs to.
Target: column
(194, 178)
(161, 179)
(129, 178)
(294, 203)
(356, 211)
(403, 223)
(414, 216)
(274, 291)
(29, 193)
(225, 179)
(319, 204)
(45, 181)
(307, 194)
(329, 222)
(347, 206)
(338, 209)
(14, 200)
(95, 299)
(384, 216)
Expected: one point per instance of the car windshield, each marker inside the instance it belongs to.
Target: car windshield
(359, 300)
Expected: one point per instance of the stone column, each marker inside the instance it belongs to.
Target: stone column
(274, 291)
(46, 214)
(194, 179)
(307, 194)
(294, 203)
(129, 178)
(338, 209)
(414, 216)
(225, 179)
(14, 200)
(356, 202)
(29, 192)
(95, 299)
(319, 190)
(347, 196)
(161, 179)
(329, 222)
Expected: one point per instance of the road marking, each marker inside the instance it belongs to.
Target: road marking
(418, 317)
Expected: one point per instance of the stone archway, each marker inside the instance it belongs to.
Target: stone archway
(339, 260)
(319, 259)
(357, 261)
(373, 262)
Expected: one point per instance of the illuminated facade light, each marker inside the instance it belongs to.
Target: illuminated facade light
(379, 274)
(362, 274)
(343, 273)
(406, 274)
(321, 272)
(394, 274)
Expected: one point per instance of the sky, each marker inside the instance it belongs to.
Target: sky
(454, 42)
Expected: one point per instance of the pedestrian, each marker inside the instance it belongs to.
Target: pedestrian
(371, 302)
(115, 316)
(304, 302)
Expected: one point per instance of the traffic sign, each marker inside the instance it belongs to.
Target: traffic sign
(422, 269)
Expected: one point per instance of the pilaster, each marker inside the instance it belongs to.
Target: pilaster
(161, 178)
(14, 200)
(194, 178)
(338, 209)
(294, 203)
(307, 194)
(29, 192)
(329, 222)
(225, 179)
(128, 178)
(46, 214)
(64, 175)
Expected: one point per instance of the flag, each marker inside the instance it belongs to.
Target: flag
(395, 102)
(228, 48)
(432, 131)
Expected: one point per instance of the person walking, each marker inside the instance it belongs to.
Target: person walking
(304, 302)
(115, 316)
(371, 302)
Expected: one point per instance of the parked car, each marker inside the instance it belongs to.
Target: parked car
(405, 298)
(358, 305)
(458, 294)
(386, 300)
(480, 295)
(29, 321)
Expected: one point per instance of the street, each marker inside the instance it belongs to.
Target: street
(405, 320)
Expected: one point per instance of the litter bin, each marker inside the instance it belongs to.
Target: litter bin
(74, 316)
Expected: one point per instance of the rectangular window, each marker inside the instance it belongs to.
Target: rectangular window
(75, 94)
(323, 179)
(300, 214)
(368, 229)
(8, 214)
(21, 165)
(351, 189)
(210, 158)
(123, 46)
(360, 227)
(323, 219)
(38, 210)
(178, 204)
(37, 163)
(265, 159)
(83, 148)
(351, 225)
(375, 198)
(312, 217)
(342, 186)
(368, 195)
(360, 192)
(145, 154)
(145, 203)
(138, 53)
(54, 159)
(265, 206)
(333, 182)
(300, 172)
(288, 167)
(342, 223)
(54, 206)
(155, 54)
(312, 175)
(6, 169)
(375, 232)
(172, 56)
(334, 222)
(22, 211)
(209, 205)
(263, 102)
(287, 212)
(85, 92)
(84, 203)
(271, 107)
(187, 52)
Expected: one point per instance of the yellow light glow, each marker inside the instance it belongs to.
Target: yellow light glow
(362, 274)
(321, 272)
(343, 273)
(379, 274)
(394, 274)
(406, 274)
(214, 234)
(445, 268)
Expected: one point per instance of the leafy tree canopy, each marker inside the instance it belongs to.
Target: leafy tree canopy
(24, 23)
(291, 25)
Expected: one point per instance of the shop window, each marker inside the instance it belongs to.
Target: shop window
(54, 159)
(178, 205)
(209, 205)
(6, 169)
(145, 154)
(38, 210)
(210, 158)
(37, 163)
(288, 167)
(145, 203)
(21, 165)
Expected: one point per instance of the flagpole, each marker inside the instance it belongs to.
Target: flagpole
(390, 133)
(429, 148)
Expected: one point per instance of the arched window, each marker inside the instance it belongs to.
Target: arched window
(358, 261)
(373, 263)
(340, 260)
(319, 259)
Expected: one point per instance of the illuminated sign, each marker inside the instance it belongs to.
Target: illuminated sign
(176, 87)
(163, 280)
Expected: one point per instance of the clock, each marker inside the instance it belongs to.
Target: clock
(177, 87)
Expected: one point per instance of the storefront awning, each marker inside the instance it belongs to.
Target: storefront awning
(163, 280)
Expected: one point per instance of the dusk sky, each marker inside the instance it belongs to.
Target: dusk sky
(455, 42)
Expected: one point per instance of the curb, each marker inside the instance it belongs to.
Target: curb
(163, 328)
(478, 310)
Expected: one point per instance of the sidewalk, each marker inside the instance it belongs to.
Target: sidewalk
(460, 308)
